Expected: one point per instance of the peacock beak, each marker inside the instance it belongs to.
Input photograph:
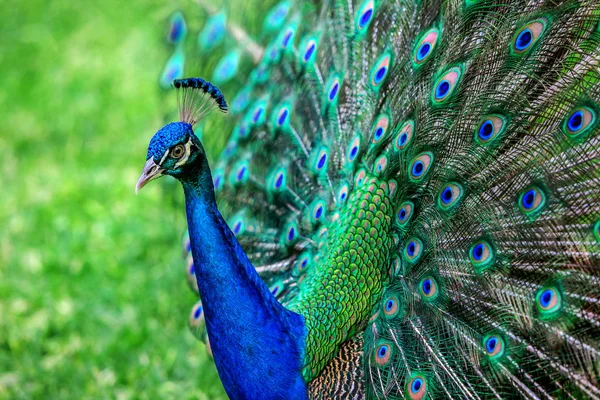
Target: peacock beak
(151, 171)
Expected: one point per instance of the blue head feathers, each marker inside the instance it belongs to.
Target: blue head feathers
(169, 136)
(176, 151)
(175, 147)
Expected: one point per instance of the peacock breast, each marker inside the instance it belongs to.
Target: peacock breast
(337, 296)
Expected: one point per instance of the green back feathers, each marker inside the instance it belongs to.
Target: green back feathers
(421, 181)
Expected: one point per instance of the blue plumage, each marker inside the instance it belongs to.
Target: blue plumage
(233, 294)
(168, 136)
(229, 286)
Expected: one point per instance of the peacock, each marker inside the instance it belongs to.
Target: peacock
(408, 203)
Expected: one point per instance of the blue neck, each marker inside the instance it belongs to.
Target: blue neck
(258, 345)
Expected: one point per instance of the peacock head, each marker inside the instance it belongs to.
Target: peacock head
(175, 150)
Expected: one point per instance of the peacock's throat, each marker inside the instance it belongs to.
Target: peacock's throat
(234, 298)
(337, 295)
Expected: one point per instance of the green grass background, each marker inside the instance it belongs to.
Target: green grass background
(93, 298)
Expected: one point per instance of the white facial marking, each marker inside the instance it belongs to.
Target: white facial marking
(188, 151)
(163, 157)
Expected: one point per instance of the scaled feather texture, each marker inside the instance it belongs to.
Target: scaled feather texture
(422, 179)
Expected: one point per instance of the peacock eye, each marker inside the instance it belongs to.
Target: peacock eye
(490, 128)
(580, 120)
(532, 201)
(425, 46)
(413, 250)
(494, 346)
(446, 85)
(549, 301)
(417, 387)
(383, 353)
(178, 151)
(528, 35)
(481, 255)
(429, 288)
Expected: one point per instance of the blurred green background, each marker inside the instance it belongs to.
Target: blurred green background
(93, 297)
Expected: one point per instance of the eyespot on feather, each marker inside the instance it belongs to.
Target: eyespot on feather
(276, 16)
(425, 46)
(390, 307)
(364, 17)
(353, 149)
(383, 353)
(481, 255)
(413, 250)
(548, 301)
(277, 179)
(239, 173)
(281, 116)
(177, 28)
(317, 211)
(404, 213)
(494, 346)
(532, 201)
(320, 158)
(258, 113)
(579, 122)
(416, 388)
(213, 32)
(526, 37)
(450, 196)
(380, 128)
(332, 90)
(173, 69)
(343, 193)
(420, 166)
(405, 135)
(446, 85)
(302, 263)
(380, 70)
(227, 67)
(287, 37)
(190, 273)
(490, 128)
(308, 50)
(428, 288)
(241, 100)
(380, 165)
(196, 321)
(359, 177)
(290, 233)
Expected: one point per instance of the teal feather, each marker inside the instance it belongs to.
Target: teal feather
(213, 33)
(177, 29)
(227, 67)
(173, 69)
(420, 180)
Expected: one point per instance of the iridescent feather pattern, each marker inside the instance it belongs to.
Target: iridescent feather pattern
(176, 35)
(420, 180)
(177, 29)
(173, 69)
